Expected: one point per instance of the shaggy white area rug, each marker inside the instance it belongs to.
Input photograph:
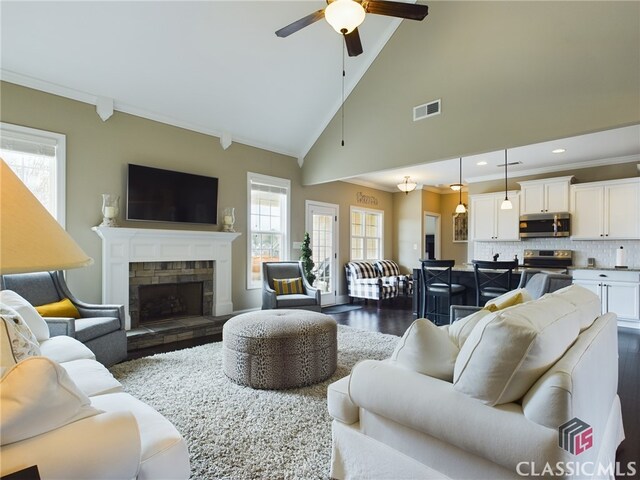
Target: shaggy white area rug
(237, 432)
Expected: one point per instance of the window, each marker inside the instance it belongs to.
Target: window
(38, 159)
(268, 223)
(366, 234)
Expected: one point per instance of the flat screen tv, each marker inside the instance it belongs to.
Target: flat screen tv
(166, 196)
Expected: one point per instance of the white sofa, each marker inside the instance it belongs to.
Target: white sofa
(65, 413)
(391, 421)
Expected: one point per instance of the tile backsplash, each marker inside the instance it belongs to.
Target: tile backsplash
(603, 251)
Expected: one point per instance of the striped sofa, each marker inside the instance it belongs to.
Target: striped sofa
(378, 281)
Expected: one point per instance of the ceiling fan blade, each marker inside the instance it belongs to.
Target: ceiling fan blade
(354, 45)
(412, 11)
(300, 24)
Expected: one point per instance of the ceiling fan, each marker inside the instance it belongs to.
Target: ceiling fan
(346, 15)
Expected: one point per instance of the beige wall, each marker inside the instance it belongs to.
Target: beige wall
(407, 231)
(97, 157)
(508, 73)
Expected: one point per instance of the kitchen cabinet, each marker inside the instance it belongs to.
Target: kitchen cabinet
(606, 210)
(543, 196)
(489, 222)
(619, 292)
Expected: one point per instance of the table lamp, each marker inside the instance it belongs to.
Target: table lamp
(31, 240)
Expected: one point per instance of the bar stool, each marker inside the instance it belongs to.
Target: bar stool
(492, 278)
(436, 282)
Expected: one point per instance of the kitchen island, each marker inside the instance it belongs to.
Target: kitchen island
(461, 274)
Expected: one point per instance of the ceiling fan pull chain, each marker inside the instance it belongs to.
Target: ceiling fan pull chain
(342, 106)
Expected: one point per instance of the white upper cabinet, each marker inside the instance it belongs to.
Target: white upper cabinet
(489, 222)
(550, 195)
(606, 210)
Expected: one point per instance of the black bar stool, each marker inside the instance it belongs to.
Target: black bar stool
(436, 282)
(492, 279)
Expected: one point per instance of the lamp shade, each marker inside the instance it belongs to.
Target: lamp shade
(344, 15)
(407, 186)
(461, 208)
(31, 240)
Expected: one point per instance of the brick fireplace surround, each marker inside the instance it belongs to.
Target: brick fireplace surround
(123, 246)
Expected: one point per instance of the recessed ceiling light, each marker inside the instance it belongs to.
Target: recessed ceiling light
(558, 150)
(481, 163)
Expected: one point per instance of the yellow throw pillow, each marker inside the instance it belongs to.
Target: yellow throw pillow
(509, 299)
(288, 286)
(63, 308)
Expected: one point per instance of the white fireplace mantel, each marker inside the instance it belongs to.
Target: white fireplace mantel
(122, 246)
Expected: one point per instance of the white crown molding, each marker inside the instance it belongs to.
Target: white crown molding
(80, 96)
(557, 168)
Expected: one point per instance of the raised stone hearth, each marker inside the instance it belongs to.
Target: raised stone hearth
(122, 247)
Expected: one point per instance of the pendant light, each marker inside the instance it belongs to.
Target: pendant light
(506, 203)
(460, 208)
(407, 186)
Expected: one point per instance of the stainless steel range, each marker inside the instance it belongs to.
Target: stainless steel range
(550, 260)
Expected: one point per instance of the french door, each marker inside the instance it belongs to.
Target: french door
(322, 225)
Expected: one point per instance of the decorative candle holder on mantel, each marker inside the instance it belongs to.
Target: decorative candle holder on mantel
(228, 219)
(110, 210)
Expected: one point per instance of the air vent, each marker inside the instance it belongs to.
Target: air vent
(426, 110)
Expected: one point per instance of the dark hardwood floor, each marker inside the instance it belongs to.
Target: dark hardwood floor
(396, 316)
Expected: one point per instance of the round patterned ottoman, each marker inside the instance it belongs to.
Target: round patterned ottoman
(276, 349)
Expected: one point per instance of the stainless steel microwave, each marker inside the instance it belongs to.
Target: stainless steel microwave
(545, 225)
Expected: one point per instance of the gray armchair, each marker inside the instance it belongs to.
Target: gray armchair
(101, 327)
(536, 282)
(310, 300)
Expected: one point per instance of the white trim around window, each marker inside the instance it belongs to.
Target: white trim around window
(275, 185)
(31, 140)
(364, 236)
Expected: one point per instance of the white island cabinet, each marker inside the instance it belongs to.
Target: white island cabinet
(619, 292)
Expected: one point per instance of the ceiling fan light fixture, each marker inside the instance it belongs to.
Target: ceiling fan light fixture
(344, 15)
(406, 186)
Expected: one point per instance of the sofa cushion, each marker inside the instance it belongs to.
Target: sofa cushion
(295, 300)
(387, 268)
(37, 396)
(426, 349)
(21, 340)
(507, 352)
(94, 327)
(460, 330)
(362, 270)
(32, 318)
(65, 349)
(91, 377)
(339, 402)
(587, 303)
(63, 308)
(164, 451)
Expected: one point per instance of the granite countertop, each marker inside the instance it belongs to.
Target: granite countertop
(630, 269)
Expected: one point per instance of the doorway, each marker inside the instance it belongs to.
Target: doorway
(322, 225)
(431, 247)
